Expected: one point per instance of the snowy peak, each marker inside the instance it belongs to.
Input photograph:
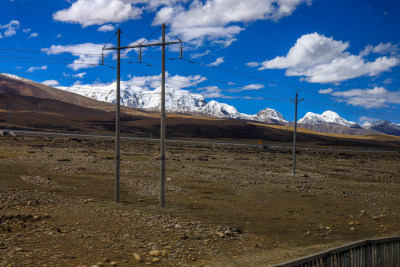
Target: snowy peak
(383, 126)
(14, 77)
(270, 114)
(328, 117)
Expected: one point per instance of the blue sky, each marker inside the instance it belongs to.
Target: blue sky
(341, 55)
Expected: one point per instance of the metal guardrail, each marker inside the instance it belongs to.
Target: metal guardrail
(384, 252)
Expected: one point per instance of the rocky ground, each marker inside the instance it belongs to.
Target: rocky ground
(226, 205)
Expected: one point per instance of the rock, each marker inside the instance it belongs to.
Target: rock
(155, 259)
(113, 263)
(308, 232)
(155, 253)
(164, 253)
(351, 223)
(178, 226)
(352, 228)
(137, 257)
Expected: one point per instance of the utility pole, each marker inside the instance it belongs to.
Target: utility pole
(117, 120)
(296, 101)
(163, 116)
(162, 130)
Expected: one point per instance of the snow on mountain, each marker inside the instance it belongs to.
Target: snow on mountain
(328, 117)
(176, 100)
(383, 126)
(15, 77)
(270, 114)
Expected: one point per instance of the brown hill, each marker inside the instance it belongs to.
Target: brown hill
(39, 107)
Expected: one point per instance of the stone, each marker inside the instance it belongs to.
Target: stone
(351, 223)
(155, 259)
(164, 253)
(137, 257)
(155, 253)
(113, 263)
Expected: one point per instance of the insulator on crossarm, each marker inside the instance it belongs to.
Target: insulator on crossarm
(102, 58)
(140, 55)
(181, 52)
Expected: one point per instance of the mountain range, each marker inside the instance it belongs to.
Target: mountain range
(183, 101)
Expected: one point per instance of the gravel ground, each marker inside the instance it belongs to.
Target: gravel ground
(226, 206)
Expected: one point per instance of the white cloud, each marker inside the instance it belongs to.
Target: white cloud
(325, 91)
(211, 92)
(252, 87)
(253, 64)
(365, 118)
(106, 28)
(324, 60)
(58, 36)
(33, 35)
(26, 30)
(51, 83)
(217, 62)
(98, 12)
(89, 54)
(213, 19)
(388, 81)
(32, 69)
(152, 82)
(377, 97)
(79, 75)
(381, 48)
(10, 29)
(197, 55)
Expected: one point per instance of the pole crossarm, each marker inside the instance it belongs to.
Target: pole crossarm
(143, 45)
(163, 44)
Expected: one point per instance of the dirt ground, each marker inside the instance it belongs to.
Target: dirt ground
(225, 205)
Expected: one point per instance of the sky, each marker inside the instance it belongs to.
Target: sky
(339, 55)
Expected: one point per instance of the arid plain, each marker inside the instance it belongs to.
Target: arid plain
(226, 205)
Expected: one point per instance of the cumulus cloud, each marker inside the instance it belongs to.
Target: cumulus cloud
(26, 30)
(51, 83)
(154, 81)
(9, 29)
(106, 28)
(217, 62)
(322, 59)
(381, 48)
(89, 54)
(98, 12)
(377, 97)
(32, 69)
(211, 92)
(213, 19)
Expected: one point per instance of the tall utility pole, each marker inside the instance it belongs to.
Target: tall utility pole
(162, 130)
(163, 116)
(117, 120)
(296, 101)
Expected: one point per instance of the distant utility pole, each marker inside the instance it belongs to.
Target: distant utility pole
(296, 101)
(162, 130)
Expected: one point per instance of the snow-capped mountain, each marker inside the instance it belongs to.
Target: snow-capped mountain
(328, 117)
(383, 126)
(176, 100)
(270, 114)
